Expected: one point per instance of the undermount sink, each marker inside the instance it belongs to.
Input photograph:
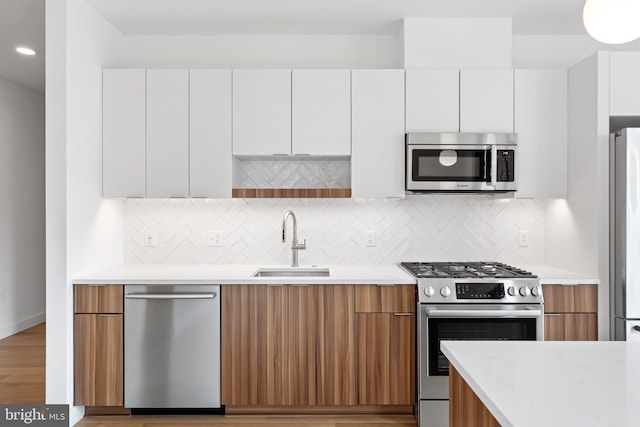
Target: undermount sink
(291, 272)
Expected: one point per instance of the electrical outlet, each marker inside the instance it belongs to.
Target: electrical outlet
(215, 238)
(371, 238)
(150, 238)
(523, 238)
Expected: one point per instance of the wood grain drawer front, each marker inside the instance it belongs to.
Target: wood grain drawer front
(571, 327)
(385, 299)
(97, 299)
(98, 360)
(570, 299)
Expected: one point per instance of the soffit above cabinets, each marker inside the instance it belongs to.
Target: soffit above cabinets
(206, 17)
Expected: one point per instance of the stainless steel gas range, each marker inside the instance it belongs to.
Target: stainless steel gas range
(467, 301)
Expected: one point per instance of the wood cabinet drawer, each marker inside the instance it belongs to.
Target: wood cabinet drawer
(570, 299)
(571, 327)
(97, 299)
(385, 299)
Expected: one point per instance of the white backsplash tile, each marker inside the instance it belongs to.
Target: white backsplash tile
(295, 174)
(418, 228)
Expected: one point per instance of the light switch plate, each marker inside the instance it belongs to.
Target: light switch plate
(523, 238)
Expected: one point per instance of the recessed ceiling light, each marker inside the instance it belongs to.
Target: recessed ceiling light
(25, 50)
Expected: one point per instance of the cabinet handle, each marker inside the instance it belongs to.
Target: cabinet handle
(299, 286)
(384, 284)
(552, 314)
(274, 285)
(109, 314)
(403, 314)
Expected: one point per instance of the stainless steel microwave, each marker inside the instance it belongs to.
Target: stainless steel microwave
(469, 162)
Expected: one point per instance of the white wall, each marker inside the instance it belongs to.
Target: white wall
(457, 42)
(22, 269)
(84, 232)
(559, 51)
(576, 229)
(263, 51)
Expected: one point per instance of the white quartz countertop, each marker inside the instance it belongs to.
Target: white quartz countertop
(172, 274)
(552, 384)
(556, 276)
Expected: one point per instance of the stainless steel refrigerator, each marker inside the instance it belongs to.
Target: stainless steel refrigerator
(624, 217)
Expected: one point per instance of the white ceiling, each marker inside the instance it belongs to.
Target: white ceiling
(22, 21)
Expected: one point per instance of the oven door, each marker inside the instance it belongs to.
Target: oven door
(450, 167)
(468, 322)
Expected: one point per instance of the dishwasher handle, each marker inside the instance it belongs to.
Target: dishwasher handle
(211, 295)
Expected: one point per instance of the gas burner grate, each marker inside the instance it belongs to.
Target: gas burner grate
(465, 270)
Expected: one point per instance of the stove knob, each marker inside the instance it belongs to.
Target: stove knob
(535, 291)
(445, 292)
(524, 291)
(512, 291)
(428, 291)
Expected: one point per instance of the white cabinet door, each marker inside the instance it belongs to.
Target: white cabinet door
(123, 133)
(261, 112)
(321, 112)
(541, 125)
(377, 151)
(486, 100)
(210, 133)
(624, 86)
(167, 133)
(432, 100)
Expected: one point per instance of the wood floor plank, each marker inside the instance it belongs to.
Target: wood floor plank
(252, 421)
(22, 366)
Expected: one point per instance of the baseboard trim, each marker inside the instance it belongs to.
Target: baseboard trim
(21, 325)
(320, 410)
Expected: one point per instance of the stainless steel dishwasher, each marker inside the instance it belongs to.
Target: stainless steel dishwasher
(172, 346)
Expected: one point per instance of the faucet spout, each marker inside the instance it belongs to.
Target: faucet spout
(295, 245)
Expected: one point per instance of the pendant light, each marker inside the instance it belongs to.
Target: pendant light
(612, 21)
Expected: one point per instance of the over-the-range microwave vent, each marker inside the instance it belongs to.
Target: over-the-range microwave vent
(461, 162)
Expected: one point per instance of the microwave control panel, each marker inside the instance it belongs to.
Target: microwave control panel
(505, 166)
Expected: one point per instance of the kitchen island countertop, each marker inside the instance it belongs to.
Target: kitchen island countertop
(175, 274)
(552, 384)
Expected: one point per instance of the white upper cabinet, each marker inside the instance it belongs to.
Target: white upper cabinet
(624, 86)
(123, 133)
(541, 125)
(210, 141)
(320, 112)
(432, 100)
(261, 112)
(167, 133)
(486, 100)
(377, 157)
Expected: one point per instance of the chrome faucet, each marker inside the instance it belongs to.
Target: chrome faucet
(295, 245)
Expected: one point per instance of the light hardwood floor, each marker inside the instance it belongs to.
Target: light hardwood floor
(22, 362)
(22, 376)
(252, 421)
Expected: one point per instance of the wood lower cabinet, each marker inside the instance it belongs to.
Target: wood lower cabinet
(385, 328)
(322, 365)
(98, 345)
(571, 312)
(288, 345)
(386, 358)
(254, 345)
(465, 407)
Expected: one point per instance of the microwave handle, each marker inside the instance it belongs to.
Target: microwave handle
(494, 165)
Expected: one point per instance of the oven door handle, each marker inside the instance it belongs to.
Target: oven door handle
(435, 312)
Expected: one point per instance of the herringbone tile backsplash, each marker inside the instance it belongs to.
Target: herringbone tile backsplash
(418, 228)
